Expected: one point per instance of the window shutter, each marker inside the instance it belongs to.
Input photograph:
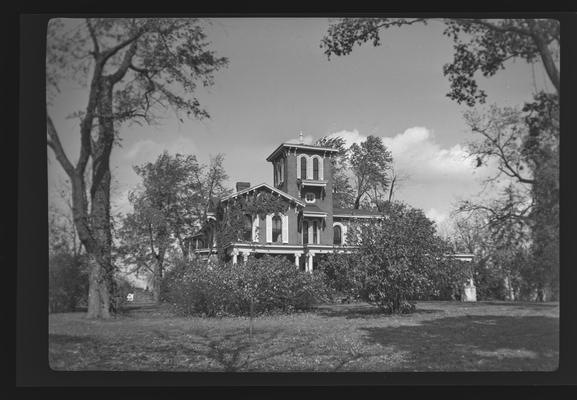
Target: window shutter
(255, 226)
(285, 229)
(299, 168)
(269, 228)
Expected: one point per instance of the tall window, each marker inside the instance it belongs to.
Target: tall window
(303, 168)
(276, 229)
(315, 168)
(247, 228)
(305, 232)
(337, 235)
(315, 232)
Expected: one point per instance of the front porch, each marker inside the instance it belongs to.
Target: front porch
(304, 257)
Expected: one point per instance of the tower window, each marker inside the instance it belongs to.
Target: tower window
(315, 168)
(303, 168)
(305, 232)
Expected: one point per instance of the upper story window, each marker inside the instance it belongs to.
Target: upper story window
(247, 228)
(315, 232)
(310, 197)
(279, 172)
(303, 168)
(315, 168)
(337, 235)
(276, 229)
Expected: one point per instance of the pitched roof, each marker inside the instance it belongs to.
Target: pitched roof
(299, 146)
(351, 212)
(266, 186)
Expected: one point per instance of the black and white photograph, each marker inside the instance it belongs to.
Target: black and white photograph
(303, 194)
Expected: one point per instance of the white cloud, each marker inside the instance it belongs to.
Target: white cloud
(350, 137)
(436, 215)
(435, 176)
(147, 149)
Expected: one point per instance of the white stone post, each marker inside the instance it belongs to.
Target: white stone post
(234, 256)
(244, 256)
(309, 267)
(297, 259)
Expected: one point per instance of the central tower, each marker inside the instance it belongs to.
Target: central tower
(304, 171)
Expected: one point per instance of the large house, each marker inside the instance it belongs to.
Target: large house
(312, 226)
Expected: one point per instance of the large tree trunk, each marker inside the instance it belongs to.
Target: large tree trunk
(101, 285)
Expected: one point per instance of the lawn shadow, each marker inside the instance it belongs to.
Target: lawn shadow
(474, 343)
(362, 310)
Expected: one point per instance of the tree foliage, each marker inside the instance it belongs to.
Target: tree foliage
(480, 46)
(133, 69)
(370, 164)
(167, 210)
(402, 259)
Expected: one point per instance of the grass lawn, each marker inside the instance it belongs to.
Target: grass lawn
(440, 336)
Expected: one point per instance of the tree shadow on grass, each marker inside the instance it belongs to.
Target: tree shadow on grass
(162, 351)
(363, 310)
(474, 343)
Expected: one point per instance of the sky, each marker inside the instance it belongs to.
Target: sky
(279, 82)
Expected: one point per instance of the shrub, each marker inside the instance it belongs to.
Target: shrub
(341, 275)
(401, 259)
(270, 284)
(67, 282)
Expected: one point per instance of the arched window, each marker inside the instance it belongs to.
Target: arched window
(276, 229)
(305, 232)
(337, 235)
(315, 168)
(247, 228)
(303, 168)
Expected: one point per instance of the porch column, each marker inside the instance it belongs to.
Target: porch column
(309, 267)
(244, 256)
(297, 259)
(234, 256)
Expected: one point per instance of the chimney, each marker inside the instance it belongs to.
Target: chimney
(242, 185)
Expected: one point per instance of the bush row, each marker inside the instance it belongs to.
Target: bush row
(267, 285)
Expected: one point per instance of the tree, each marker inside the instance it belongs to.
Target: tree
(529, 155)
(167, 210)
(135, 68)
(370, 162)
(402, 258)
(343, 195)
(481, 45)
(524, 145)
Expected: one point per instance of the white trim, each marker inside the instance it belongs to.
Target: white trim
(269, 228)
(285, 231)
(343, 233)
(299, 157)
(250, 189)
(255, 228)
(307, 182)
(309, 167)
(358, 216)
(307, 200)
(321, 167)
